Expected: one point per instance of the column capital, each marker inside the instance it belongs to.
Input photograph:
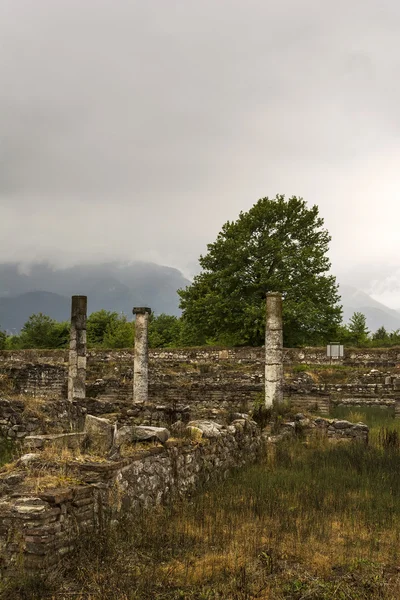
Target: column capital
(141, 310)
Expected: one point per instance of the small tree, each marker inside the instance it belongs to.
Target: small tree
(41, 331)
(98, 324)
(381, 335)
(357, 329)
(394, 338)
(13, 342)
(164, 331)
(119, 334)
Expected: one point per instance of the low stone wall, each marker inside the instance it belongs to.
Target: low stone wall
(333, 429)
(210, 381)
(343, 430)
(37, 529)
(320, 403)
(244, 355)
(21, 418)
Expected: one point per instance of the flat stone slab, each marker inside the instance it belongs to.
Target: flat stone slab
(144, 433)
(209, 429)
(72, 441)
(124, 435)
(100, 433)
(342, 424)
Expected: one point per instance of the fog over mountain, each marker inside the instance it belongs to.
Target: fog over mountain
(112, 286)
(377, 313)
(379, 279)
(118, 287)
(136, 129)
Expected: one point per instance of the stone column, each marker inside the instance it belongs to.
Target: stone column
(274, 351)
(77, 349)
(141, 361)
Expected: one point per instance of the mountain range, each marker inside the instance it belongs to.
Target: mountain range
(112, 286)
(376, 313)
(119, 287)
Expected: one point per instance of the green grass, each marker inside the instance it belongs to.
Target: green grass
(315, 521)
(373, 416)
(7, 451)
(302, 367)
(380, 420)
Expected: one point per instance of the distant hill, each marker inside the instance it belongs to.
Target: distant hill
(376, 313)
(111, 286)
(15, 311)
(119, 287)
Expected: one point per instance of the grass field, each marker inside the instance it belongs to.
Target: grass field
(6, 451)
(313, 522)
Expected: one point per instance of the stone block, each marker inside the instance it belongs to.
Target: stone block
(124, 435)
(100, 433)
(209, 429)
(341, 424)
(72, 441)
(142, 433)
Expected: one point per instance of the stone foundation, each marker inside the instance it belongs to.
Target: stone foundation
(207, 383)
(38, 529)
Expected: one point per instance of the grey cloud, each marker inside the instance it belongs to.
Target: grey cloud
(152, 123)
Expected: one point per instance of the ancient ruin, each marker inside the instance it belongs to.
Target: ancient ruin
(141, 363)
(274, 351)
(77, 349)
(191, 420)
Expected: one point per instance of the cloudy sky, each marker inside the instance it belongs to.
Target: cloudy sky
(134, 129)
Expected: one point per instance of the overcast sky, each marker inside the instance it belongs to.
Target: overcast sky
(135, 129)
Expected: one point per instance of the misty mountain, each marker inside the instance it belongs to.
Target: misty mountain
(377, 314)
(119, 287)
(15, 311)
(112, 286)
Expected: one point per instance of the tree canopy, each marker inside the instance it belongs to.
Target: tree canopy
(164, 331)
(278, 245)
(357, 328)
(41, 331)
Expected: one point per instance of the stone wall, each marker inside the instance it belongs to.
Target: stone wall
(20, 418)
(37, 529)
(207, 382)
(40, 524)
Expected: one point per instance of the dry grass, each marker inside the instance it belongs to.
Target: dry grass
(33, 406)
(7, 384)
(355, 416)
(313, 522)
(310, 523)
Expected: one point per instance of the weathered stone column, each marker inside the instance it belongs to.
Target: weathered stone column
(141, 361)
(77, 349)
(274, 351)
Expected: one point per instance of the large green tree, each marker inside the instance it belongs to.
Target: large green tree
(278, 245)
